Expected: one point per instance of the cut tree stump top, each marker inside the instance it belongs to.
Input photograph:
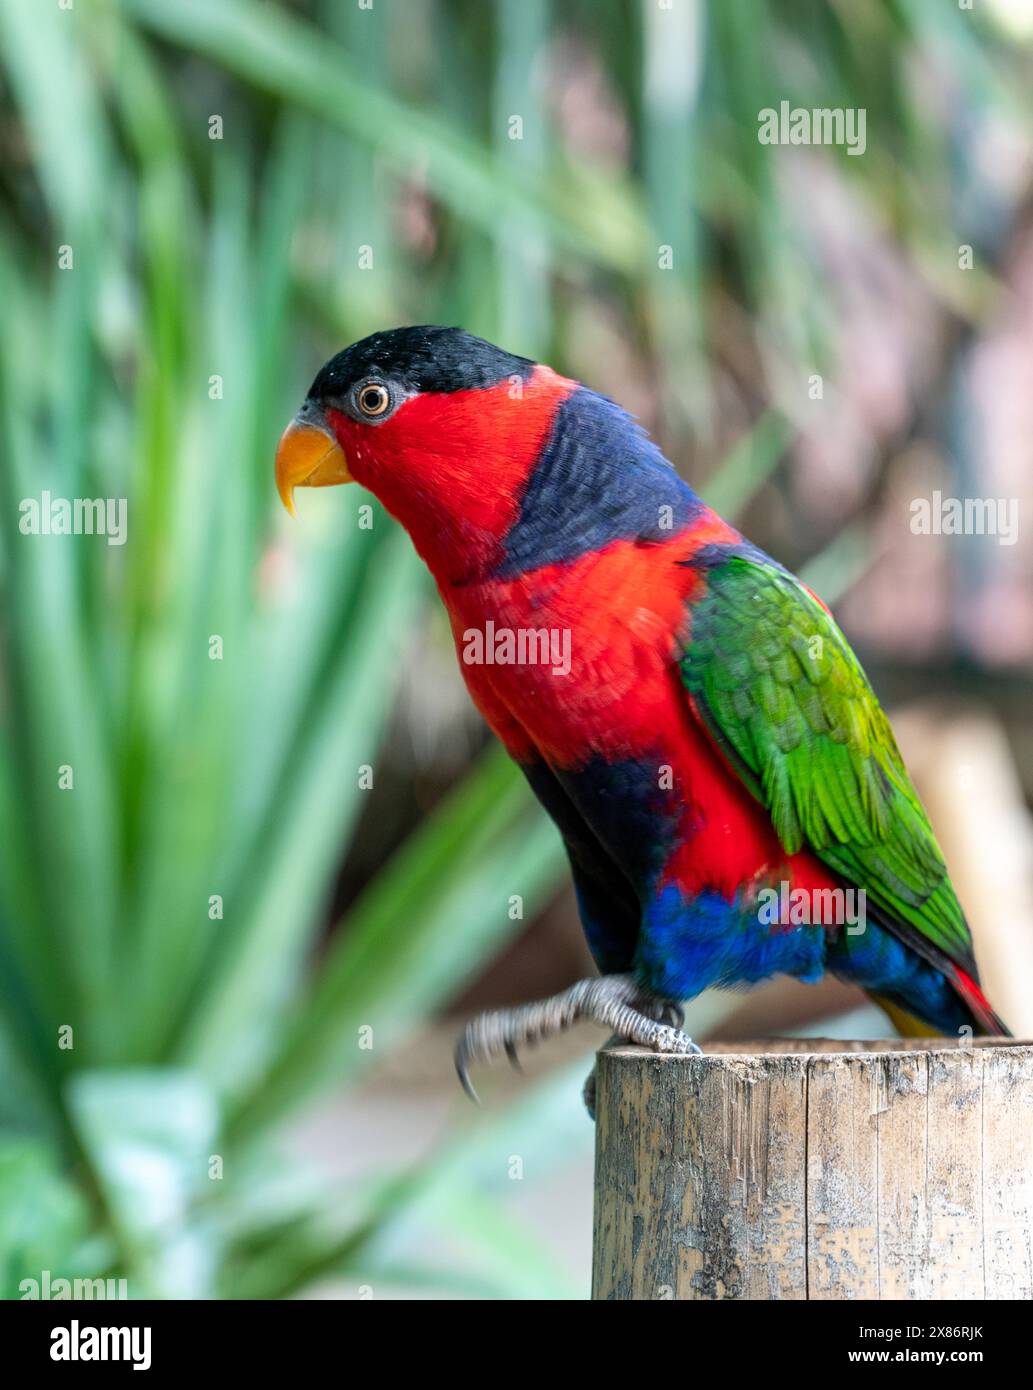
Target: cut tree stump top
(810, 1168)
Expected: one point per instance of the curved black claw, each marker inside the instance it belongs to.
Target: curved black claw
(673, 1014)
(588, 1092)
(514, 1059)
(463, 1071)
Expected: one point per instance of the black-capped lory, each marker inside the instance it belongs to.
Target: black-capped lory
(728, 788)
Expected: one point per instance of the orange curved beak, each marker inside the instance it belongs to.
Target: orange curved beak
(308, 455)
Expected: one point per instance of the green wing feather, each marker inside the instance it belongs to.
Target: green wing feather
(776, 684)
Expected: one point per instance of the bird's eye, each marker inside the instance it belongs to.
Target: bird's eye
(373, 400)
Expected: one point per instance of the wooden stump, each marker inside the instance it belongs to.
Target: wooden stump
(806, 1168)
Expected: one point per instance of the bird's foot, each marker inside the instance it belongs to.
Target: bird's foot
(670, 1012)
(616, 1002)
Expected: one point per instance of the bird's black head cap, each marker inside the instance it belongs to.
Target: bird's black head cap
(423, 358)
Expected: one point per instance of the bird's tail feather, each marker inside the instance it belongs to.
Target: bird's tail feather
(977, 1001)
(984, 1019)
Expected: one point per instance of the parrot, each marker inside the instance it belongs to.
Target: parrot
(685, 709)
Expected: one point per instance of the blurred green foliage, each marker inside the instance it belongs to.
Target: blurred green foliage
(208, 278)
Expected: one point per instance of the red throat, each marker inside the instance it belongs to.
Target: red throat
(452, 466)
